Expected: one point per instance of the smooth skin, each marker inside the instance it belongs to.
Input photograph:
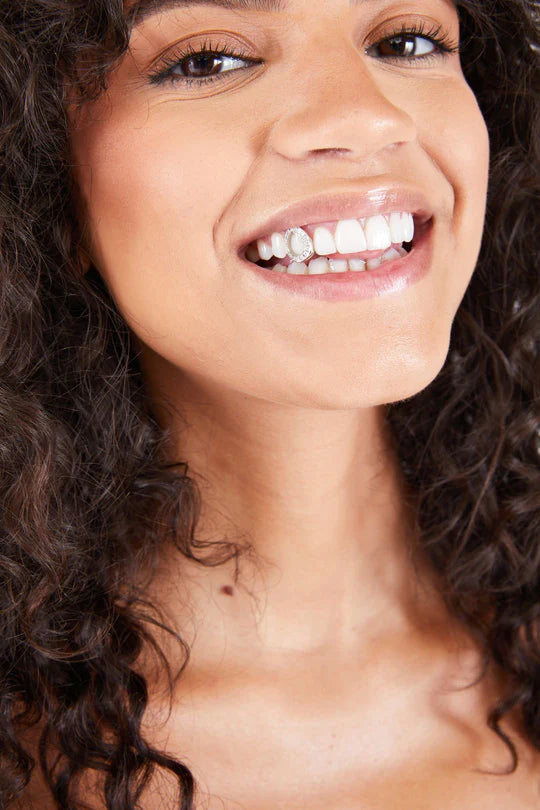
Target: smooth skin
(323, 679)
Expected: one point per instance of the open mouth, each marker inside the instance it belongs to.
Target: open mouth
(371, 259)
(337, 254)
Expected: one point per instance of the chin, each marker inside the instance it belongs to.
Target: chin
(394, 382)
(416, 378)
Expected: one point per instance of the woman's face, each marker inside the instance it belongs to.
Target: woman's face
(320, 99)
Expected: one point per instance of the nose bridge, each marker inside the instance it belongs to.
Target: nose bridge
(334, 102)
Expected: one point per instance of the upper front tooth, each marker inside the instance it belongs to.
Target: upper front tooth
(297, 268)
(350, 236)
(323, 241)
(297, 241)
(377, 233)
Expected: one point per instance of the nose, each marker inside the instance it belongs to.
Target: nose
(340, 105)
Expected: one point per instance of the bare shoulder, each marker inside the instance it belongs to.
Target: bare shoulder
(416, 791)
(427, 781)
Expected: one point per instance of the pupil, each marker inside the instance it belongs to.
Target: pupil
(402, 45)
(204, 63)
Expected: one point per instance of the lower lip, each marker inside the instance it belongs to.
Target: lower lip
(389, 277)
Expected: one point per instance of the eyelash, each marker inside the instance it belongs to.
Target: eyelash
(164, 75)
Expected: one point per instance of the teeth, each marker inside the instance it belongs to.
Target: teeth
(338, 265)
(321, 265)
(279, 246)
(357, 265)
(396, 228)
(265, 250)
(323, 242)
(350, 236)
(372, 264)
(407, 222)
(391, 253)
(298, 242)
(377, 233)
(297, 268)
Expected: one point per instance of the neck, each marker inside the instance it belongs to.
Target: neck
(321, 499)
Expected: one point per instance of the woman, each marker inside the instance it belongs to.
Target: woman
(269, 423)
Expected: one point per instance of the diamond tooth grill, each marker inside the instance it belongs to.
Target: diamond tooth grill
(307, 244)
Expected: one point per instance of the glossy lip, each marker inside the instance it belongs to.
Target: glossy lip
(390, 277)
(346, 205)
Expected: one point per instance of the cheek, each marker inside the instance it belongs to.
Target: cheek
(155, 186)
(457, 140)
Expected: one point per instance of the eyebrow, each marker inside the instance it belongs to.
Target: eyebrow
(140, 10)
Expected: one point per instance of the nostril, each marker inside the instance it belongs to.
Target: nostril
(329, 150)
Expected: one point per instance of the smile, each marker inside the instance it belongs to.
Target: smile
(366, 243)
(342, 277)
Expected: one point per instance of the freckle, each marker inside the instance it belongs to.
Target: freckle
(228, 590)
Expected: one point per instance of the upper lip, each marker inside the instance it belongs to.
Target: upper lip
(344, 205)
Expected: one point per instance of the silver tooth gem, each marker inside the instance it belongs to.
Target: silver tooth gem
(308, 251)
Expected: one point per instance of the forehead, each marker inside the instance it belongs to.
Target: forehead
(139, 10)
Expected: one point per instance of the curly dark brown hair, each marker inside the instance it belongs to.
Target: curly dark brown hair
(86, 498)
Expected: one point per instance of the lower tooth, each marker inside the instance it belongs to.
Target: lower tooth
(338, 265)
(389, 254)
(322, 265)
(317, 266)
(357, 265)
(297, 268)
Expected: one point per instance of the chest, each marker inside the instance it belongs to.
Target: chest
(264, 743)
(255, 752)
(286, 768)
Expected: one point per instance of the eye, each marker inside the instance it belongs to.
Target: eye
(414, 44)
(209, 62)
(205, 64)
(406, 46)
(200, 66)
